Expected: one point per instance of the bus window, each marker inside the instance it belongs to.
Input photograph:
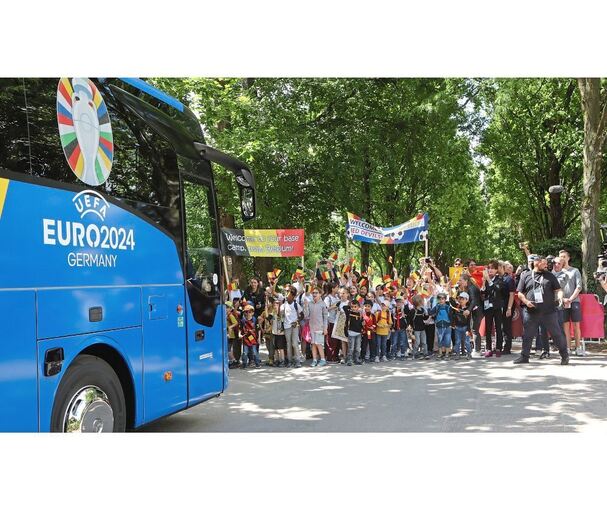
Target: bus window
(202, 254)
(144, 174)
(14, 149)
(47, 155)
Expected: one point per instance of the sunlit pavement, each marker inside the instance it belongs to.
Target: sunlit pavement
(408, 396)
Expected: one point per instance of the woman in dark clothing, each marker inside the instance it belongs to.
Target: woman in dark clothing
(255, 295)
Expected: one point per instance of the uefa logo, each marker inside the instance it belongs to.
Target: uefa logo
(85, 130)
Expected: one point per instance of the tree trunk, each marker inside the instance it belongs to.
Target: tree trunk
(262, 266)
(594, 139)
(557, 220)
(366, 209)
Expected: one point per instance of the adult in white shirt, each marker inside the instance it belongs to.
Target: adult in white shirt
(332, 303)
(290, 311)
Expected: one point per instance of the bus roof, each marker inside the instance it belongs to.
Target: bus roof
(144, 86)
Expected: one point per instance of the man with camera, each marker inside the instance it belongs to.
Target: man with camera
(602, 279)
(536, 291)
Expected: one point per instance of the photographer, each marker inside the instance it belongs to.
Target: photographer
(429, 269)
(602, 279)
(536, 291)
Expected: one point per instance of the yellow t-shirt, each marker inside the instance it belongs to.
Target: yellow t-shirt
(232, 320)
(384, 321)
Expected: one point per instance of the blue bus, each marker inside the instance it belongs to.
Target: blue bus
(111, 281)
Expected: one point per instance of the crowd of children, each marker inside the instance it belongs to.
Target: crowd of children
(336, 317)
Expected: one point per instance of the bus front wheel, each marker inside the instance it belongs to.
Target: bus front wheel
(89, 398)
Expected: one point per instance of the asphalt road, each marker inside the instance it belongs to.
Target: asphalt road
(408, 396)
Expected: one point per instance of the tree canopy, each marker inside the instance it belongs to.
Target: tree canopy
(479, 155)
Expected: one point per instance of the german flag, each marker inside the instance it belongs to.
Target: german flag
(346, 268)
(333, 256)
(363, 283)
(415, 275)
(424, 292)
(232, 286)
(274, 275)
(325, 275)
(387, 278)
(360, 299)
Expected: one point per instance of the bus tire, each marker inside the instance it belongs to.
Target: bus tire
(89, 398)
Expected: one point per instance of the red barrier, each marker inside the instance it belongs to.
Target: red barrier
(593, 318)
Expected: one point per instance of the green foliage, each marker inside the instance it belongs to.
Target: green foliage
(533, 140)
(477, 155)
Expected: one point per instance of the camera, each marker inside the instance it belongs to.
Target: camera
(600, 276)
(601, 272)
(323, 261)
(550, 262)
(428, 260)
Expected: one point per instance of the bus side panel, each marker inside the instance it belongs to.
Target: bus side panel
(18, 386)
(206, 357)
(50, 243)
(80, 311)
(165, 382)
(127, 342)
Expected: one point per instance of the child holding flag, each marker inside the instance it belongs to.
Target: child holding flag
(248, 334)
(354, 323)
(441, 312)
(461, 321)
(368, 334)
(400, 344)
(417, 318)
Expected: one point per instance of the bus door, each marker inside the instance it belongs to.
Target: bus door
(206, 335)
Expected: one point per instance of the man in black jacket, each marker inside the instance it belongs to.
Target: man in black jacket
(491, 293)
(468, 285)
(536, 290)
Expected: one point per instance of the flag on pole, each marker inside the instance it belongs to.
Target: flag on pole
(414, 230)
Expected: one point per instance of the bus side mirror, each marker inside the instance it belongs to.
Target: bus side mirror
(247, 203)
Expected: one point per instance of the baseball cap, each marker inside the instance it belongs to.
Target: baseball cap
(464, 295)
(532, 257)
(441, 295)
(229, 304)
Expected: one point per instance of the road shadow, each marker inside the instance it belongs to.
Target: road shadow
(488, 395)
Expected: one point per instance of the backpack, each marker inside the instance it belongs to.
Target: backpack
(300, 315)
